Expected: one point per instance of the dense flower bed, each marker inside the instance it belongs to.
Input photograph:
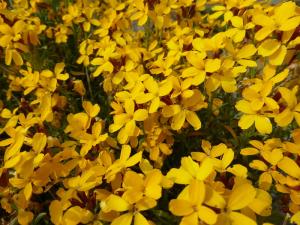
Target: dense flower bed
(149, 112)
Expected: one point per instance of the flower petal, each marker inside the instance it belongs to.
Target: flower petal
(268, 47)
(180, 207)
(241, 196)
(263, 124)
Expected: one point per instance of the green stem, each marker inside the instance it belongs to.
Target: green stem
(14, 221)
(10, 3)
(89, 82)
(7, 70)
(147, 33)
(286, 218)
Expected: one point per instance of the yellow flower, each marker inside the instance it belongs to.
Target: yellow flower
(225, 77)
(136, 94)
(93, 139)
(162, 65)
(89, 20)
(217, 104)
(76, 215)
(239, 31)
(109, 19)
(259, 146)
(3, 4)
(86, 49)
(11, 34)
(116, 203)
(253, 106)
(61, 211)
(61, 33)
(284, 18)
(106, 49)
(157, 62)
(78, 123)
(197, 73)
(175, 48)
(103, 66)
(296, 136)
(123, 162)
(25, 170)
(269, 73)
(221, 10)
(14, 143)
(139, 194)
(214, 43)
(10, 41)
(91, 110)
(155, 91)
(74, 11)
(45, 107)
(158, 139)
(242, 56)
(140, 12)
(191, 207)
(296, 218)
(79, 87)
(226, 155)
(291, 109)
(57, 165)
(190, 170)
(127, 121)
(30, 81)
(273, 157)
(272, 152)
(87, 180)
(273, 49)
(13, 54)
(25, 217)
(290, 167)
(186, 111)
(138, 189)
(59, 67)
(241, 196)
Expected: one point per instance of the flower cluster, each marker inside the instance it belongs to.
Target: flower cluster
(149, 112)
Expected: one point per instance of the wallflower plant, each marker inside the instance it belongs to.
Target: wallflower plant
(149, 112)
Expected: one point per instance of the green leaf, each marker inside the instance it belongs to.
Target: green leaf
(38, 219)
